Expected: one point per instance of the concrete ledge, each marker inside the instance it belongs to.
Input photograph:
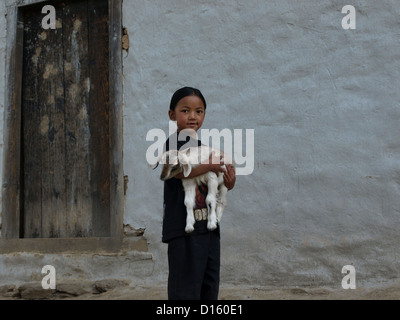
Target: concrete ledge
(56, 245)
(135, 266)
(81, 245)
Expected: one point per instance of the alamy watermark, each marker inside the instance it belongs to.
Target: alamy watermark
(49, 280)
(233, 144)
(349, 21)
(349, 280)
(49, 21)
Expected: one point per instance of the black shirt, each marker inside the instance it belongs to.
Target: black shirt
(174, 220)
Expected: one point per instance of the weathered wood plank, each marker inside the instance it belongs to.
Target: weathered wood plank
(43, 130)
(31, 118)
(79, 204)
(52, 133)
(99, 109)
(116, 123)
(12, 127)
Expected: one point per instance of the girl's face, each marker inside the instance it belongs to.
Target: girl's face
(189, 113)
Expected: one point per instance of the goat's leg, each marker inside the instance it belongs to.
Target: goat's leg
(223, 190)
(190, 194)
(211, 201)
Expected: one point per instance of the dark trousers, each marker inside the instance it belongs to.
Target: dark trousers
(194, 266)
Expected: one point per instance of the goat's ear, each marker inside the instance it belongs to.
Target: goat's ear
(187, 169)
(160, 159)
(155, 165)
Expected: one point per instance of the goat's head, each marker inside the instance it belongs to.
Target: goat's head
(175, 162)
(171, 166)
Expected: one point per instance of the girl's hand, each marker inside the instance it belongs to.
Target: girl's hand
(215, 163)
(229, 176)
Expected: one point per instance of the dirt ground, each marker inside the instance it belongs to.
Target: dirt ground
(112, 289)
(146, 293)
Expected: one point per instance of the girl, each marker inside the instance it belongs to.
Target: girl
(193, 259)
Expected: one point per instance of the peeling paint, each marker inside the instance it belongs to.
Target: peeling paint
(77, 24)
(50, 100)
(43, 36)
(73, 90)
(35, 57)
(87, 81)
(83, 114)
(68, 66)
(44, 125)
(60, 92)
(50, 70)
(125, 40)
(75, 64)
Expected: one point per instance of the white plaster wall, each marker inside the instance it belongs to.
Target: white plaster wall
(324, 106)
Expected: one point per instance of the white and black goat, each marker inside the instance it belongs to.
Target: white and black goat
(175, 162)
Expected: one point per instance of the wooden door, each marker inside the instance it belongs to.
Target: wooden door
(65, 138)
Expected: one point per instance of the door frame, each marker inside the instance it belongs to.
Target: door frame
(11, 175)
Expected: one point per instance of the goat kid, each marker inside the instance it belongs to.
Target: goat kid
(175, 162)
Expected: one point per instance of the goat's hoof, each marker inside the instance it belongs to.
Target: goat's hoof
(189, 229)
(211, 226)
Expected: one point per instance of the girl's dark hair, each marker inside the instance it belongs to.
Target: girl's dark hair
(184, 92)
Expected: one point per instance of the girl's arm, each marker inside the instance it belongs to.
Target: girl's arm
(201, 169)
(215, 166)
(230, 176)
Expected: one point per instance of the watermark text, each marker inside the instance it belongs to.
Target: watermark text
(240, 150)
